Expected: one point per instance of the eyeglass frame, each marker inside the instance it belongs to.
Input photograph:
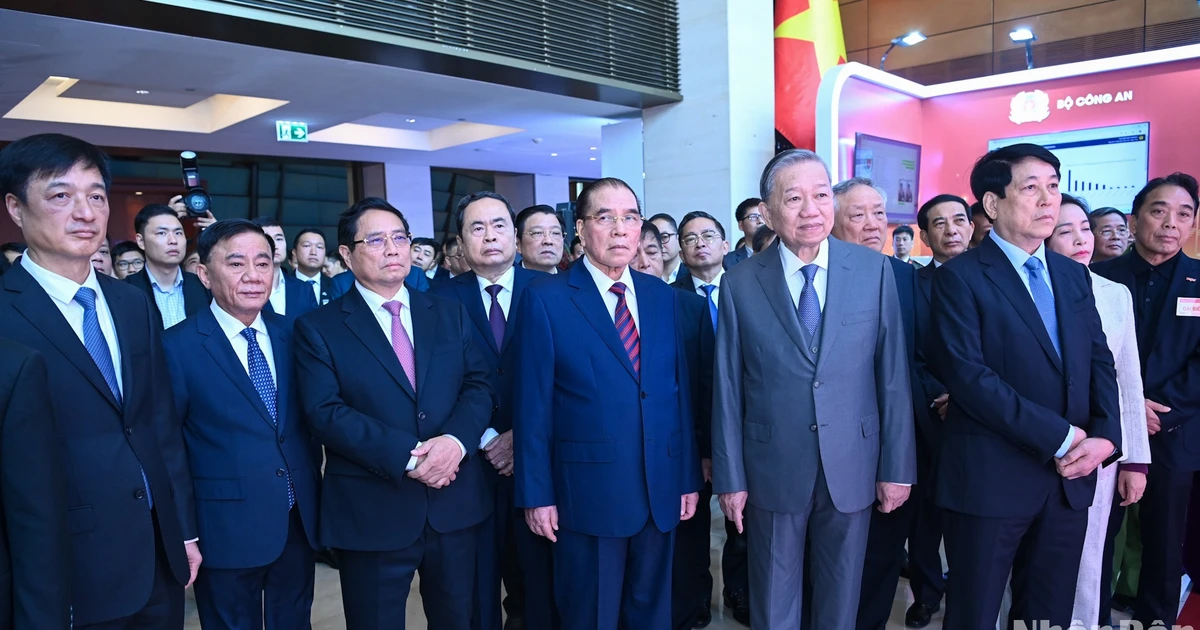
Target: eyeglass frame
(708, 236)
(398, 239)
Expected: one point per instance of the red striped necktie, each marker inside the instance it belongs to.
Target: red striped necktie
(626, 328)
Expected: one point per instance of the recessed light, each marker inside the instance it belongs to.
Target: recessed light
(143, 92)
(410, 120)
(591, 148)
(591, 159)
(553, 155)
(138, 192)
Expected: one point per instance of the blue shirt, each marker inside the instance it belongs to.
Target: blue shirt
(169, 300)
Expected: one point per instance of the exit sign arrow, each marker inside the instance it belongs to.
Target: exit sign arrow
(288, 131)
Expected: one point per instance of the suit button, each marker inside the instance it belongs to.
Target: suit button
(1069, 383)
(280, 473)
(814, 349)
(495, 408)
(421, 416)
(281, 439)
(643, 395)
(128, 430)
(812, 428)
(139, 494)
(816, 384)
(500, 371)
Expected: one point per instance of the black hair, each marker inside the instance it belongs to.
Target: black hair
(649, 228)
(46, 156)
(584, 202)
(575, 241)
(307, 230)
(904, 229)
(978, 211)
(760, 238)
(336, 256)
(16, 248)
(1100, 213)
(449, 242)
(142, 219)
(526, 214)
(1182, 180)
(266, 222)
(745, 207)
(1076, 201)
(124, 247)
(927, 207)
(700, 214)
(348, 220)
(427, 242)
(224, 230)
(993, 172)
(460, 211)
(662, 216)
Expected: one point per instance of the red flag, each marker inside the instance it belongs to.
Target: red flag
(808, 42)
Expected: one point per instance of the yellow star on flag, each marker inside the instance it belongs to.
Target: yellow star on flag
(821, 24)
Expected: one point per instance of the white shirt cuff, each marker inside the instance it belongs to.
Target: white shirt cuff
(412, 461)
(460, 445)
(487, 438)
(1066, 445)
(188, 542)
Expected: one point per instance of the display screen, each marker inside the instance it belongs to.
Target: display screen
(1106, 166)
(895, 167)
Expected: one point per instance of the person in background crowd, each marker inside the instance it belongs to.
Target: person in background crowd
(177, 293)
(334, 264)
(128, 259)
(491, 293)
(672, 264)
(256, 483)
(808, 461)
(191, 262)
(308, 249)
(1033, 404)
(391, 382)
(764, 237)
(128, 483)
(12, 251)
(749, 215)
(540, 230)
(1163, 281)
(649, 252)
(608, 493)
(1111, 233)
(34, 540)
(982, 223)
(1073, 238)
(425, 252)
(176, 204)
(576, 248)
(102, 259)
(453, 261)
(902, 243)
(290, 297)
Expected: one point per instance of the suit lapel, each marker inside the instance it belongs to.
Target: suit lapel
(280, 345)
(925, 281)
(521, 277)
(838, 286)
(365, 326)
(467, 287)
(127, 321)
(656, 309)
(1001, 272)
(220, 349)
(587, 299)
(774, 286)
(424, 332)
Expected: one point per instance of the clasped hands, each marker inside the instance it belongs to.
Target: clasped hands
(1084, 455)
(437, 461)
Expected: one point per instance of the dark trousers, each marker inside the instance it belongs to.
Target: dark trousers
(278, 596)
(1116, 518)
(735, 563)
(925, 575)
(881, 567)
(601, 582)
(1163, 512)
(692, 581)
(1041, 551)
(375, 584)
(164, 609)
(537, 565)
(496, 561)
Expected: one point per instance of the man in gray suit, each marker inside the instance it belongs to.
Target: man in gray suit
(812, 411)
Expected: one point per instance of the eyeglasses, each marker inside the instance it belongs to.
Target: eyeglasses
(1110, 232)
(666, 237)
(708, 236)
(610, 220)
(538, 235)
(754, 216)
(378, 242)
(131, 264)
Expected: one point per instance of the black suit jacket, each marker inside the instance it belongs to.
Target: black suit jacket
(734, 257)
(298, 299)
(928, 421)
(1012, 398)
(359, 403)
(1171, 375)
(35, 561)
(326, 287)
(700, 346)
(112, 534)
(195, 296)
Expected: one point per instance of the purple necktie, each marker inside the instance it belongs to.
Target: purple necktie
(496, 315)
(626, 329)
(401, 343)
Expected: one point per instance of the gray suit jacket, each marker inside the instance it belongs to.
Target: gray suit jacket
(778, 407)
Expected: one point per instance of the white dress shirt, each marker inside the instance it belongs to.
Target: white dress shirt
(674, 275)
(716, 294)
(375, 302)
(62, 292)
(279, 294)
(604, 283)
(430, 273)
(233, 332)
(315, 287)
(795, 277)
(505, 298)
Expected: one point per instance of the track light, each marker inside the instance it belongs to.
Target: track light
(911, 39)
(1025, 36)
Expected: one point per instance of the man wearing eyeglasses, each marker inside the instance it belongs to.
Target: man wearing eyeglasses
(392, 383)
(541, 231)
(1112, 233)
(669, 231)
(749, 215)
(128, 259)
(605, 445)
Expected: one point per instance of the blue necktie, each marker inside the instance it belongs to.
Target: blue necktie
(264, 384)
(809, 307)
(1044, 299)
(712, 306)
(97, 346)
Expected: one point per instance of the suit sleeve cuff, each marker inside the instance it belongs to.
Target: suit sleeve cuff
(487, 438)
(188, 542)
(412, 461)
(460, 445)
(1066, 445)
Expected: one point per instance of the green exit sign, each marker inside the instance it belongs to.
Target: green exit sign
(291, 131)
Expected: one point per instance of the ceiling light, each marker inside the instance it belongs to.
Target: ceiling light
(905, 41)
(592, 159)
(143, 92)
(410, 120)
(553, 155)
(1022, 35)
(591, 148)
(138, 192)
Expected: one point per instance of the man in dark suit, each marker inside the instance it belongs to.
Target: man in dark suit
(392, 384)
(1017, 342)
(610, 491)
(344, 281)
(491, 293)
(129, 489)
(308, 250)
(177, 293)
(290, 296)
(1166, 300)
(252, 469)
(749, 215)
(34, 542)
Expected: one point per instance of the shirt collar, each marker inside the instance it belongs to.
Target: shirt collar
(1017, 256)
(505, 280)
(230, 324)
(698, 283)
(376, 301)
(1139, 265)
(178, 282)
(936, 264)
(792, 263)
(303, 278)
(60, 288)
(279, 278)
(603, 282)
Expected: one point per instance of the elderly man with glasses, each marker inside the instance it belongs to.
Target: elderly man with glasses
(1112, 233)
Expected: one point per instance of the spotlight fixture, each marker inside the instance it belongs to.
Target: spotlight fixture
(591, 159)
(912, 39)
(138, 193)
(553, 155)
(1026, 37)
(143, 92)
(410, 120)
(594, 148)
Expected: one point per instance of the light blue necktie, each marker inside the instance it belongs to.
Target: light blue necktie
(1044, 299)
(264, 384)
(97, 346)
(809, 307)
(712, 306)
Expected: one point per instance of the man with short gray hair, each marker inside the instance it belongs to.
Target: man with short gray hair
(812, 459)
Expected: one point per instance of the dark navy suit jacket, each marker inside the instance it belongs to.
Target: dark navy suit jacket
(416, 280)
(929, 423)
(1012, 399)
(359, 403)
(700, 346)
(611, 449)
(298, 299)
(236, 451)
(195, 296)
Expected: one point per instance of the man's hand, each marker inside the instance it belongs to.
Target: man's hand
(180, 209)
(442, 457)
(706, 469)
(1131, 485)
(543, 521)
(1153, 422)
(194, 559)
(941, 403)
(687, 505)
(499, 452)
(1077, 439)
(733, 504)
(891, 495)
(1083, 458)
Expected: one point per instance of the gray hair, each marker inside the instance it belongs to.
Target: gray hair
(844, 187)
(781, 161)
